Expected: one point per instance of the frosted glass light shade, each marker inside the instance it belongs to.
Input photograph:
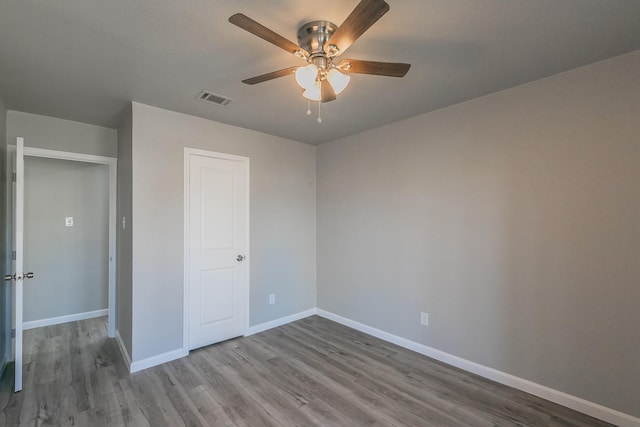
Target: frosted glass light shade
(338, 80)
(313, 93)
(306, 76)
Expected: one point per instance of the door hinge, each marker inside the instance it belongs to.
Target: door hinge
(13, 333)
(13, 255)
(13, 177)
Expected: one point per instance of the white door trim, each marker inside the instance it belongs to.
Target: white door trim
(112, 163)
(188, 152)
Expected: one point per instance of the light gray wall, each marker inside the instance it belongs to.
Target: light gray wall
(5, 264)
(282, 224)
(124, 236)
(70, 263)
(62, 135)
(511, 219)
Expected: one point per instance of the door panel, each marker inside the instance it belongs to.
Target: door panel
(18, 216)
(217, 210)
(217, 234)
(216, 291)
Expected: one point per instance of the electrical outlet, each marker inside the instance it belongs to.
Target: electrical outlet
(424, 319)
(272, 298)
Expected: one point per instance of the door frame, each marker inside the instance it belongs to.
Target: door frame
(112, 163)
(188, 152)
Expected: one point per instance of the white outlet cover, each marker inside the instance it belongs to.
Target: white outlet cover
(68, 221)
(272, 298)
(424, 318)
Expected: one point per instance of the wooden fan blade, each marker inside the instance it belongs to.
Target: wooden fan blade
(391, 69)
(270, 76)
(366, 13)
(326, 91)
(263, 32)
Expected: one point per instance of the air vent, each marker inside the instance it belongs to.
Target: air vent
(214, 98)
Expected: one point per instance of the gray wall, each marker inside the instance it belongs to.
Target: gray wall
(283, 207)
(511, 219)
(70, 263)
(5, 264)
(62, 135)
(124, 236)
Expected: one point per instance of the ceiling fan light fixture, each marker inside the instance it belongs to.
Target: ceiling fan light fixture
(338, 80)
(306, 76)
(313, 93)
(319, 44)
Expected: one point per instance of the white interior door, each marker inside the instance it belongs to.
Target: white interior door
(217, 234)
(18, 267)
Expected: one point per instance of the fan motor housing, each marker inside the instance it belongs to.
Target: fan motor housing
(313, 35)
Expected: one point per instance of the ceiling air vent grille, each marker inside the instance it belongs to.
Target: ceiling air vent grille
(214, 98)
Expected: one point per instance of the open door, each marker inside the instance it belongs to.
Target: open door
(18, 275)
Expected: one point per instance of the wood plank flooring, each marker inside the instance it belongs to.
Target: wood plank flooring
(312, 372)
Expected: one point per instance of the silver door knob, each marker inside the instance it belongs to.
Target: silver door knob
(239, 258)
(14, 276)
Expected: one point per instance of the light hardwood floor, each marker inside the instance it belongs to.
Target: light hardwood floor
(312, 372)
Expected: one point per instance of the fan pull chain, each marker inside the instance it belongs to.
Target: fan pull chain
(319, 118)
(308, 107)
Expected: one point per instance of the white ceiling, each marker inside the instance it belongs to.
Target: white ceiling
(84, 60)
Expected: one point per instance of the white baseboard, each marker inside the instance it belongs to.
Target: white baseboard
(139, 365)
(64, 319)
(593, 409)
(123, 350)
(159, 359)
(279, 322)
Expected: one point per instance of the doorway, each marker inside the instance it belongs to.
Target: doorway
(18, 154)
(66, 241)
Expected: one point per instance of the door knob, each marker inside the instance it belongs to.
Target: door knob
(14, 276)
(239, 257)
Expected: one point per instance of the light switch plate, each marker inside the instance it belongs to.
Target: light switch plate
(68, 221)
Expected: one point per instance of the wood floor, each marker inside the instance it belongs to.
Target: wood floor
(313, 372)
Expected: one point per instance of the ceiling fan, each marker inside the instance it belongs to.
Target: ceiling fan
(320, 43)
